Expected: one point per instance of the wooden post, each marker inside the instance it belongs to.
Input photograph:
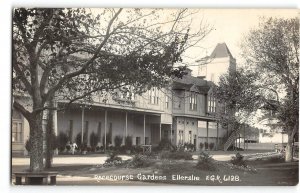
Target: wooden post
(171, 133)
(82, 124)
(105, 129)
(144, 129)
(126, 124)
(217, 145)
(207, 133)
(160, 131)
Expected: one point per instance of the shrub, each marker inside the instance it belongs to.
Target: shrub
(62, 140)
(78, 140)
(238, 160)
(118, 141)
(201, 145)
(189, 146)
(206, 162)
(177, 155)
(93, 140)
(137, 149)
(165, 144)
(108, 140)
(113, 157)
(139, 161)
(206, 145)
(128, 143)
(211, 146)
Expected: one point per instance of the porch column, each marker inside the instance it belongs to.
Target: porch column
(126, 122)
(105, 128)
(144, 128)
(244, 137)
(207, 132)
(171, 133)
(82, 124)
(160, 131)
(217, 146)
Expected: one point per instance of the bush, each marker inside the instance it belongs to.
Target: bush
(238, 160)
(206, 162)
(137, 149)
(201, 145)
(113, 157)
(62, 140)
(128, 143)
(118, 141)
(177, 155)
(139, 161)
(93, 140)
(211, 146)
(108, 140)
(165, 144)
(205, 145)
(189, 146)
(78, 140)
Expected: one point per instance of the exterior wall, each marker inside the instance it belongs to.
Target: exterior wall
(215, 68)
(18, 148)
(135, 123)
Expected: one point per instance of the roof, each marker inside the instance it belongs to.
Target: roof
(192, 83)
(221, 51)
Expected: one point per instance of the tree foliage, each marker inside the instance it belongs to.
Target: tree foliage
(71, 54)
(272, 50)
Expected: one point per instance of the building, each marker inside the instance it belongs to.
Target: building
(183, 113)
(219, 62)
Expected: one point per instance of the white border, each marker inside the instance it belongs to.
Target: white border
(5, 82)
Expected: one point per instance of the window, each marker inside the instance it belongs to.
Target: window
(202, 70)
(153, 96)
(211, 103)
(146, 140)
(190, 136)
(70, 130)
(167, 101)
(193, 101)
(126, 93)
(17, 132)
(180, 137)
(138, 141)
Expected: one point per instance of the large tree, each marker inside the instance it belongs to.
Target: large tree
(238, 97)
(70, 54)
(272, 49)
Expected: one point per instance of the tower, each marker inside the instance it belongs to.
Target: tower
(219, 62)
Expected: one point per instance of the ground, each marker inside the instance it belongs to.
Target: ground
(86, 169)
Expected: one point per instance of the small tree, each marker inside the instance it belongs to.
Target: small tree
(128, 142)
(93, 140)
(118, 141)
(201, 145)
(211, 146)
(62, 141)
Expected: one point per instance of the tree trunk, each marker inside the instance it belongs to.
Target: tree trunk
(36, 138)
(49, 140)
(289, 149)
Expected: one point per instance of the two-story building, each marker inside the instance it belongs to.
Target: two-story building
(182, 113)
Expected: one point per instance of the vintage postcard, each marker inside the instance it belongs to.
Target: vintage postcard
(140, 96)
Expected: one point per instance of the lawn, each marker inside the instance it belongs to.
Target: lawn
(184, 172)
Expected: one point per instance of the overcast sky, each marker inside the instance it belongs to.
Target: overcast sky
(230, 26)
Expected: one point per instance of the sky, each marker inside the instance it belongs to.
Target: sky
(230, 26)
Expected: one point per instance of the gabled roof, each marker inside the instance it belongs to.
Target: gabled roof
(192, 83)
(221, 51)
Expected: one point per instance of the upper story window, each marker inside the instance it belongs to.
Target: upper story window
(211, 103)
(193, 101)
(153, 96)
(167, 101)
(127, 93)
(17, 131)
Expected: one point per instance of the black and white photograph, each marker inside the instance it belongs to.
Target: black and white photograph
(154, 96)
